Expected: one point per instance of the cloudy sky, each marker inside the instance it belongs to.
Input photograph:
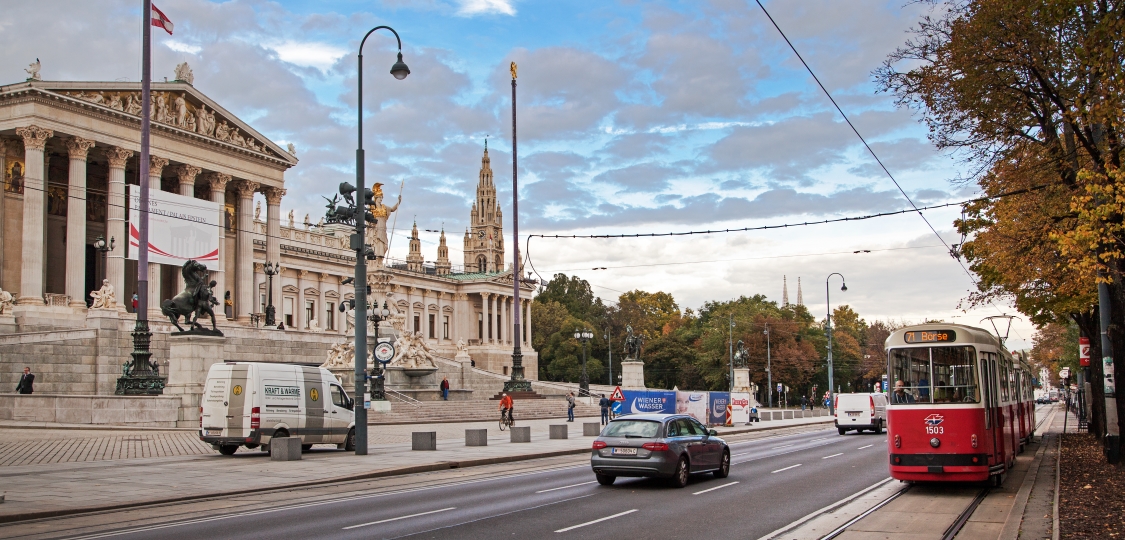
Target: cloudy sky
(634, 117)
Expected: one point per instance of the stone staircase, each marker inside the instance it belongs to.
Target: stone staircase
(429, 412)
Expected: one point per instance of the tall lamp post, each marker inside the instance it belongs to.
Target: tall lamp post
(828, 302)
(399, 71)
(584, 336)
(769, 372)
(517, 383)
(608, 336)
(730, 346)
(271, 269)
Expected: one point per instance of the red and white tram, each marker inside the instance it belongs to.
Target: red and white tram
(960, 406)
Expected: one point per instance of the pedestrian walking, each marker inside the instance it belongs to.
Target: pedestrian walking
(570, 407)
(605, 403)
(136, 299)
(27, 380)
(804, 402)
(445, 388)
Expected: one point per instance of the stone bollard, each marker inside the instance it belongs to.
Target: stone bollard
(591, 429)
(521, 434)
(788, 415)
(285, 449)
(558, 431)
(476, 437)
(423, 440)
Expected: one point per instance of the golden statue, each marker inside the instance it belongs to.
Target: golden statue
(513, 68)
(377, 235)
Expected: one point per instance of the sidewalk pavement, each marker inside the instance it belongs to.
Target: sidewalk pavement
(60, 488)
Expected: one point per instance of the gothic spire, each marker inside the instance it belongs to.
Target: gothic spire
(784, 292)
(800, 299)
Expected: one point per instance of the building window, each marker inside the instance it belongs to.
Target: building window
(262, 304)
(480, 326)
(289, 312)
(432, 325)
(310, 312)
(417, 323)
(445, 327)
(330, 316)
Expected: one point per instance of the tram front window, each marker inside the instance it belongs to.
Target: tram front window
(934, 375)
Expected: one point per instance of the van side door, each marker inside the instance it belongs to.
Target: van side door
(314, 427)
(341, 416)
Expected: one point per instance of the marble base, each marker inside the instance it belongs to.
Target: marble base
(397, 379)
(8, 323)
(189, 358)
(633, 375)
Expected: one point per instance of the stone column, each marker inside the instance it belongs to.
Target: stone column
(527, 323)
(34, 208)
(246, 294)
(273, 240)
(439, 319)
(410, 309)
(78, 148)
(486, 334)
(155, 168)
(218, 183)
(115, 223)
(260, 278)
(454, 323)
(3, 181)
(186, 175)
(299, 316)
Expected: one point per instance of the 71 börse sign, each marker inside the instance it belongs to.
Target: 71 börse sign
(180, 228)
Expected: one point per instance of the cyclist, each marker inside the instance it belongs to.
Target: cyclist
(507, 408)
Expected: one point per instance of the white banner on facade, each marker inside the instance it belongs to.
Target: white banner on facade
(179, 228)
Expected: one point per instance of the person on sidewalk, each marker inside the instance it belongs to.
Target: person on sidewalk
(605, 403)
(804, 402)
(445, 388)
(570, 407)
(26, 382)
(507, 407)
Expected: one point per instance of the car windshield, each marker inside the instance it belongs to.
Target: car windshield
(934, 375)
(632, 428)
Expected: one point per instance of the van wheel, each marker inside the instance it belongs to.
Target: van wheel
(841, 430)
(349, 443)
(228, 449)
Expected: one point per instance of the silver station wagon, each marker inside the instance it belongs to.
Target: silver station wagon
(672, 446)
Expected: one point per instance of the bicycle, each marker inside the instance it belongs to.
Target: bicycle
(506, 420)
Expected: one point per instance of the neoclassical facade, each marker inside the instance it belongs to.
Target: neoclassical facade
(67, 152)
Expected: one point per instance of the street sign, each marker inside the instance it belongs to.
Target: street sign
(617, 395)
(384, 352)
(779, 387)
(1084, 351)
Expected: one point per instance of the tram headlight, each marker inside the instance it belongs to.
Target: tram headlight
(934, 442)
(974, 439)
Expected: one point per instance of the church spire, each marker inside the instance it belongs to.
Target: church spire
(414, 259)
(443, 264)
(800, 300)
(784, 292)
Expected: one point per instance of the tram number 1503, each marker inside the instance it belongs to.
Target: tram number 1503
(935, 430)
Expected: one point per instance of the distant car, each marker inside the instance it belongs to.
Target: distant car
(672, 446)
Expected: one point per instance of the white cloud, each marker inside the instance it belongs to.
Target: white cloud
(309, 54)
(180, 46)
(485, 7)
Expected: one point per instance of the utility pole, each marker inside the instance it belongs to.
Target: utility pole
(609, 344)
(730, 346)
(769, 371)
(1112, 431)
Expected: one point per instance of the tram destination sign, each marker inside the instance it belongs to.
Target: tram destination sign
(930, 336)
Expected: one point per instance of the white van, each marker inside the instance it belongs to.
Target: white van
(860, 412)
(249, 403)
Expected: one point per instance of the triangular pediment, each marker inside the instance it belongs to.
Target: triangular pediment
(177, 106)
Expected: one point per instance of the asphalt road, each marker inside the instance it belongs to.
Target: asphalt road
(773, 482)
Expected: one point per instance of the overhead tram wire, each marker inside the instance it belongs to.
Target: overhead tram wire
(864, 141)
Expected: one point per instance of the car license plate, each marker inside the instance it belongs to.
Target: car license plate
(624, 451)
(853, 413)
(214, 432)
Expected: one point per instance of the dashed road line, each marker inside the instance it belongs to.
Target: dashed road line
(862, 447)
(716, 487)
(833, 455)
(564, 487)
(786, 469)
(388, 520)
(572, 527)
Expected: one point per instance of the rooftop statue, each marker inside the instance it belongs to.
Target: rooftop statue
(33, 71)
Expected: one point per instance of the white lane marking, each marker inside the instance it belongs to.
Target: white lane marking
(824, 439)
(833, 455)
(571, 528)
(862, 447)
(564, 487)
(786, 469)
(782, 446)
(398, 518)
(740, 454)
(716, 487)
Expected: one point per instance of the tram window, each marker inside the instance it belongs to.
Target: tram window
(935, 375)
(1005, 373)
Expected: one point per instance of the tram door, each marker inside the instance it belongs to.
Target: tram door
(988, 385)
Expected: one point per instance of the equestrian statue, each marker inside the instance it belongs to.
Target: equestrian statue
(194, 302)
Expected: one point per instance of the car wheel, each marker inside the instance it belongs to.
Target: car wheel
(349, 443)
(228, 449)
(605, 479)
(680, 478)
(841, 430)
(724, 466)
(306, 447)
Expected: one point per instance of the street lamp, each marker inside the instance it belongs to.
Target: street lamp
(100, 245)
(608, 336)
(769, 373)
(730, 346)
(271, 270)
(828, 302)
(399, 71)
(584, 336)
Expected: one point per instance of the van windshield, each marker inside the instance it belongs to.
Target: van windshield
(934, 375)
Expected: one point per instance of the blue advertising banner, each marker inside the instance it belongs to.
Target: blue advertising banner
(649, 401)
(718, 408)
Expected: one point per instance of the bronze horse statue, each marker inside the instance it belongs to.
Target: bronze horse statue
(195, 300)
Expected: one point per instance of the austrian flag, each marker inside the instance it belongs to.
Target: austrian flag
(160, 20)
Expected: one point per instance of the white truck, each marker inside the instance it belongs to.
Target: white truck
(249, 403)
(860, 412)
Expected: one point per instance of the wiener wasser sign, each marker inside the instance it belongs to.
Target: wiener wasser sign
(179, 228)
